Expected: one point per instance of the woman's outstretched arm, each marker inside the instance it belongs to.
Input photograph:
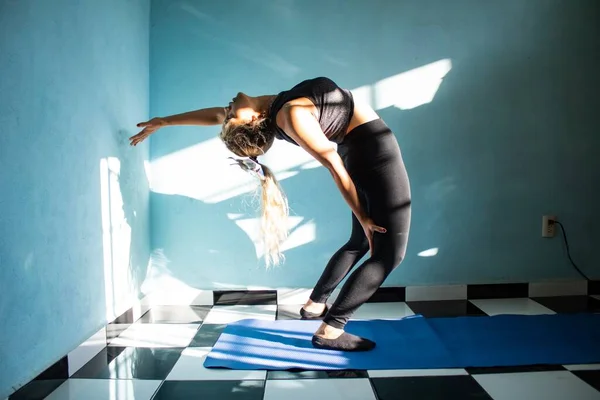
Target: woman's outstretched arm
(203, 116)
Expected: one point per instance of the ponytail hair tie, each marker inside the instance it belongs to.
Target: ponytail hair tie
(250, 165)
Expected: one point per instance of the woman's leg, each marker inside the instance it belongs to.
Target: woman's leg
(384, 182)
(341, 263)
(389, 250)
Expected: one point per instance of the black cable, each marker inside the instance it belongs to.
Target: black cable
(562, 229)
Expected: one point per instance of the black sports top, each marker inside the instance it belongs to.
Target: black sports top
(335, 107)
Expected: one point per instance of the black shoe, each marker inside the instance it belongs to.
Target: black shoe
(346, 342)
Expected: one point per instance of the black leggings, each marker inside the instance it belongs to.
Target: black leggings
(373, 159)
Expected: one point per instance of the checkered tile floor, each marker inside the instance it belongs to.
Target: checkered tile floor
(161, 356)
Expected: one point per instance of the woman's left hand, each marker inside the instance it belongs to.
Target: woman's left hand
(370, 228)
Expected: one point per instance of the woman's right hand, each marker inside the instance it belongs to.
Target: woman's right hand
(149, 127)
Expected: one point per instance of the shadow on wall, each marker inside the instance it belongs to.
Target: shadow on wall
(472, 150)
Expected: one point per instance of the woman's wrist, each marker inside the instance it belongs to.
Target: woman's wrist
(362, 216)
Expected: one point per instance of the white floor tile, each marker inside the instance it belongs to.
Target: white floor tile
(86, 351)
(435, 293)
(559, 288)
(382, 311)
(229, 314)
(551, 385)
(292, 296)
(330, 389)
(156, 335)
(393, 373)
(104, 389)
(181, 296)
(289, 311)
(190, 367)
(583, 367)
(520, 306)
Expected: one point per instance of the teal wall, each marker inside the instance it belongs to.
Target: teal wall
(511, 133)
(73, 83)
(494, 104)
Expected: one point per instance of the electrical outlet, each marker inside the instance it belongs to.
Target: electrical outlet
(548, 226)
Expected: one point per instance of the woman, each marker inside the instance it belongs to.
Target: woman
(367, 168)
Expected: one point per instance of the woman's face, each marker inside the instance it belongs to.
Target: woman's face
(241, 108)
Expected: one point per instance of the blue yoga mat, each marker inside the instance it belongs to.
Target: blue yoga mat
(414, 343)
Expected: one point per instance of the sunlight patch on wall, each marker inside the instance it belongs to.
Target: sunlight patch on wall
(162, 287)
(303, 234)
(116, 240)
(406, 90)
(300, 234)
(148, 170)
(311, 165)
(429, 252)
(204, 171)
(233, 216)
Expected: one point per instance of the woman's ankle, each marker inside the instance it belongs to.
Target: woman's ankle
(311, 306)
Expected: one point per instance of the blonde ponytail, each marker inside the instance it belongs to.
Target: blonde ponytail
(250, 140)
(274, 221)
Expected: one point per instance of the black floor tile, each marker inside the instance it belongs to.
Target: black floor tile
(119, 325)
(514, 369)
(207, 335)
(347, 374)
(570, 304)
(37, 390)
(58, 370)
(125, 318)
(497, 291)
(287, 375)
(222, 390)
(445, 308)
(297, 374)
(388, 294)
(175, 315)
(45, 383)
(245, 297)
(429, 387)
(592, 377)
(131, 363)
(99, 363)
